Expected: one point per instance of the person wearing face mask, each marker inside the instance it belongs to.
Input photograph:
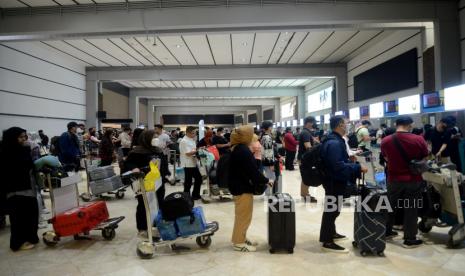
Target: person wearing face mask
(188, 151)
(403, 186)
(340, 171)
(139, 159)
(18, 184)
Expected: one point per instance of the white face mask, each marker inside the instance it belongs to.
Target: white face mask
(79, 131)
(155, 142)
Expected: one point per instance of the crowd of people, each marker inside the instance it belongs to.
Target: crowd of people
(254, 156)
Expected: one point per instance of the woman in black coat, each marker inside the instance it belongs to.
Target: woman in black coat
(16, 169)
(138, 159)
(243, 176)
(106, 148)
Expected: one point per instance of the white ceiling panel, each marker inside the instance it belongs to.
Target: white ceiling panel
(235, 83)
(126, 83)
(177, 84)
(223, 83)
(169, 84)
(90, 49)
(248, 83)
(130, 51)
(286, 83)
(273, 83)
(116, 52)
(280, 46)
(198, 45)
(264, 83)
(39, 3)
(336, 40)
(292, 46)
(359, 39)
(309, 45)
(73, 51)
(221, 48)
(65, 2)
(257, 83)
(263, 46)
(142, 50)
(299, 82)
(198, 84)
(186, 84)
(158, 50)
(85, 1)
(178, 48)
(211, 83)
(11, 4)
(242, 45)
(161, 84)
(368, 44)
(136, 84)
(108, 1)
(147, 84)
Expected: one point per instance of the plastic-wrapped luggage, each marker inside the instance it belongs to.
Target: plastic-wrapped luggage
(167, 229)
(81, 219)
(281, 223)
(191, 225)
(101, 173)
(106, 185)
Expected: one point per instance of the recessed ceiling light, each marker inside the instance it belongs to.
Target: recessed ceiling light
(243, 59)
(286, 33)
(178, 46)
(283, 40)
(260, 56)
(244, 43)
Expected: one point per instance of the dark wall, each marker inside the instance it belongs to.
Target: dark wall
(238, 119)
(220, 119)
(394, 75)
(268, 115)
(252, 118)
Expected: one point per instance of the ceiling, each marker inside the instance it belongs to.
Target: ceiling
(249, 48)
(249, 83)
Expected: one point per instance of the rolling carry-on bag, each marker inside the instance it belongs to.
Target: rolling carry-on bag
(281, 223)
(369, 223)
(81, 219)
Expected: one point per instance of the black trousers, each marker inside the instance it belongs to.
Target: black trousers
(405, 196)
(141, 220)
(334, 193)
(290, 157)
(190, 173)
(24, 220)
(125, 151)
(104, 162)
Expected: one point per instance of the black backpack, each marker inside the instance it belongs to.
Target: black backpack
(312, 167)
(177, 205)
(222, 171)
(353, 140)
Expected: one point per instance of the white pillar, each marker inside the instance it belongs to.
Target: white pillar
(150, 115)
(277, 113)
(133, 109)
(259, 115)
(92, 88)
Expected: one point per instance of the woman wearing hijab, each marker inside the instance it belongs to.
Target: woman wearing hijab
(139, 158)
(243, 175)
(106, 148)
(16, 169)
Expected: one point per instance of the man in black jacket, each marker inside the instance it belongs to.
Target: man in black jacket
(340, 171)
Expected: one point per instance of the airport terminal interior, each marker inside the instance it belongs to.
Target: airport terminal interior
(229, 127)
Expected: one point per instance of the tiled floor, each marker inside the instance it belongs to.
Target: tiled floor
(118, 257)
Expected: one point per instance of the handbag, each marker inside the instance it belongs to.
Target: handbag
(416, 167)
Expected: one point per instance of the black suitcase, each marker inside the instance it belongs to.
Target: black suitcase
(370, 226)
(281, 223)
(177, 205)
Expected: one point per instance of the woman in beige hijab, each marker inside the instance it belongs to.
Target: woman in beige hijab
(243, 176)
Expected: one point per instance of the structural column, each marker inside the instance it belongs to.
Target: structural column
(133, 109)
(150, 114)
(259, 114)
(301, 105)
(92, 90)
(277, 113)
(341, 90)
(447, 56)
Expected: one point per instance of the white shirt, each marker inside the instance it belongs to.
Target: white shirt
(187, 145)
(163, 141)
(125, 140)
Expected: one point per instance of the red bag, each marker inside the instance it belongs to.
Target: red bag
(214, 151)
(81, 219)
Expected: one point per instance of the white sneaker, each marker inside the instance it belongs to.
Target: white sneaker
(244, 247)
(27, 246)
(251, 243)
(43, 224)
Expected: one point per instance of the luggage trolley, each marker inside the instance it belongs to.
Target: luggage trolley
(213, 191)
(146, 249)
(177, 172)
(65, 202)
(110, 185)
(448, 182)
(375, 175)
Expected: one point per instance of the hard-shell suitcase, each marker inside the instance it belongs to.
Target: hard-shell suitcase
(369, 223)
(81, 219)
(281, 223)
(106, 185)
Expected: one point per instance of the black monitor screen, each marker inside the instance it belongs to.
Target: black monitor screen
(364, 111)
(390, 107)
(431, 100)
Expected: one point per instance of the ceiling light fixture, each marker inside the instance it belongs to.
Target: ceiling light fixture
(155, 41)
(244, 43)
(178, 46)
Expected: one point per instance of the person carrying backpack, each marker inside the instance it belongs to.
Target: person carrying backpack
(339, 170)
(306, 142)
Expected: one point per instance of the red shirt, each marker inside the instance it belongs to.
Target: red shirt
(415, 148)
(290, 143)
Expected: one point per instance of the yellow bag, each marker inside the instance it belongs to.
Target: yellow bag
(152, 177)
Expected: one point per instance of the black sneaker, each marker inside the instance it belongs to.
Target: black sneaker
(390, 235)
(313, 200)
(332, 247)
(339, 237)
(412, 243)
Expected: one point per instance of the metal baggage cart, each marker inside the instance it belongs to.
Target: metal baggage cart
(213, 191)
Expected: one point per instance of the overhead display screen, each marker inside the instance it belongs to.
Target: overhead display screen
(394, 75)
(354, 114)
(364, 111)
(431, 100)
(390, 107)
(319, 100)
(454, 98)
(409, 105)
(376, 110)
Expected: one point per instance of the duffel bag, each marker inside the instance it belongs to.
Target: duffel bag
(177, 205)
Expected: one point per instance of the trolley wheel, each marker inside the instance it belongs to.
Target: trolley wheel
(423, 227)
(451, 244)
(381, 254)
(50, 238)
(363, 253)
(290, 251)
(119, 194)
(85, 197)
(354, 244)
(272, 251)
(145, 250)
(108, 233)
(204, 241)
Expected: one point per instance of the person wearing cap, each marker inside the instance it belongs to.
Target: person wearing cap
(404, 188)
(363, 135)
(69, 148)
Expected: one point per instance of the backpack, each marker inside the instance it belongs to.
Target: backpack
(353, 140)
(222, 171)
(177, 205)
(312, 167)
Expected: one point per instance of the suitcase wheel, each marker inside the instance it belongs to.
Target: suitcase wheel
(204, 241)
(85, 197)
(108, 233)
(50, 238)
(363, 253)
(119, 194)
(381, 254)
(145, 250)
(354, 244)
(290, 251)
(272, 251)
